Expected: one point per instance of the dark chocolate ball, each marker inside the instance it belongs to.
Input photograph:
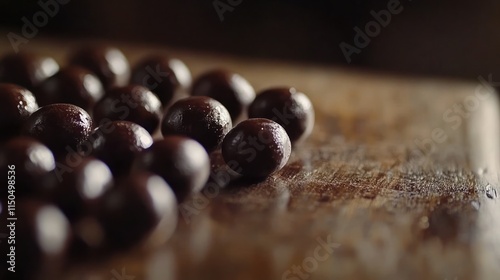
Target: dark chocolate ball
(118, 143)
(26, 69)
(61, 127)
(181, 161)
(256, 148)
(78, 191)
(109, 64)
(130, 103)
(230, 89)
(199, 117)
(136, 207)
(162, 75)
(74, 85)
(16, 105)
(25, 162)
(42, 235)
(291, 109)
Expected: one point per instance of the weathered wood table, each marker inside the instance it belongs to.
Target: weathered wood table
(398, 181)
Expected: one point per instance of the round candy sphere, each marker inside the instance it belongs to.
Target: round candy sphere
(74, 85)
(16, 105)
(164, 76)
(118, 143)
(256, 148)
(26, 163)
(26, 69)
(291, 109)
(199, 117)
(130, 103)
(79, 192)
(109, 64)
(141, 207)
(181, 161)
(230, 89)
(61, 127)
(43, 234)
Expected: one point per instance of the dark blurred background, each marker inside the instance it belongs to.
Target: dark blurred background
(457, 38)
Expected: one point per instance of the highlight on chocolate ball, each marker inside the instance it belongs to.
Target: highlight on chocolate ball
(237, 139)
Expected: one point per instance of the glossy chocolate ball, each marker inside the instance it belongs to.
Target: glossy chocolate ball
(16, 105)
(291, 109)
(162, 75)
(256, 148)
(130, 103)
(181, 161)
(118, 143)
(109, 64)
(26, 162)
(61, 127)
(230, 89)
(202, 118)
(42, 239)
(26, 69)
(78, 191)
(136, 207)
(73, 85)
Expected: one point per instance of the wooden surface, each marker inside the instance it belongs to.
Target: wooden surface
(393, 212)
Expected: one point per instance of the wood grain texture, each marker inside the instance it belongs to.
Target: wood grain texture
(394, 210)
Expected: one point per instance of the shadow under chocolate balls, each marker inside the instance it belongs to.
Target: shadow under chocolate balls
(256, 148)
(132, 103)
(181, 161)
(61, 127)
(16, 105)
(202, 118)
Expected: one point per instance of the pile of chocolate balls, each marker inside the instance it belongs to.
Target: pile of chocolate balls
(83, 173)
